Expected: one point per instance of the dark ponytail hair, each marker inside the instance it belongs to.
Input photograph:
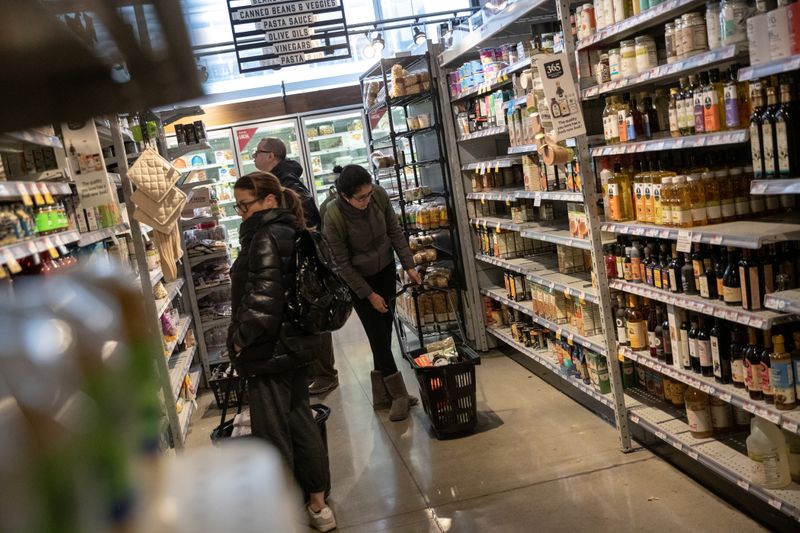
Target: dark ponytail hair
(263, 184)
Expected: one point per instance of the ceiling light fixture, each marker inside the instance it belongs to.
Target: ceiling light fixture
(377, 43)
(368, 50)
(419, 36)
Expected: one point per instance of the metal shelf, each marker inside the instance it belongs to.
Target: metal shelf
(668, 72)
(562, 196)
(674, 143)
(757, 319)
(492, 29)
(649, 18)
(500, 223)
(186, 222)
(482, 134)
(37, 245)
(790, 420)
(544, 358)
(750, 234)
(731, 464)
(12, 190)
(498, 195)
(410, 133)
(195, 260)
(557, 236)
(156, 276)
(523, 149)
(203, 291)
(31, 137)
(93, 237)
(594, 342)
(179, 365)
(779, 66)
(183, 327)
(500, 80)
(519, 101)
(216, 322)
(778, 186)
(784, 301)
(173, 289)
(544, 272)
(185, 416)
(189, 170)
(180, 151)
(497, 163)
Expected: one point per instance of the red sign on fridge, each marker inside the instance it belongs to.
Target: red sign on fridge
(244, 136)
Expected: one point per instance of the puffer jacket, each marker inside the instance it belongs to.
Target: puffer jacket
(261, 278)
(289, 173)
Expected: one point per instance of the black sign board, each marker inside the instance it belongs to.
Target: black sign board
(270, 34)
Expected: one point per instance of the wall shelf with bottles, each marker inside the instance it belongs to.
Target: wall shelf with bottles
(674, 143)
(784, 301)
(179, 365)
(497, 195)
(750, 234)
(556, 236)
(724, 457)
(649, 18)
(18, 189)
(496, 164)
(31, 136)
(715, 308)
(544, 271)
(484, 133)
(103, 234)
(669, 72)
(565, 331)
(502, 79)
(544, 358)
(770, 68)
(38, 245)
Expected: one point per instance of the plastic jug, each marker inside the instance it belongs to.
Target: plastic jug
(793, 443)
(769, 455)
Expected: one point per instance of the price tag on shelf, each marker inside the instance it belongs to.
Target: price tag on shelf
(48, 198)
(477, 169)
(496, 167)
(11, 262)
(661, 435)
(725, 397)
(51, 249)
(570, 339)
(749, 407)
(537, 199)
(756, 322)
(693, 454)
(582, 298)
(708, 389)
(678, 143)
(38, 198)
(743, 484)
(767, 415)
(634, 418)
(498, 229)
(23, 193)
(663, 234)
(638, 231)
(684, 241)
(485, 224)
(790, 426)
(558, 334)
(777, 504)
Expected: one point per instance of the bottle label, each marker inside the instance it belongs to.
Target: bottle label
(704, 292)
(673, 120)
(622, 332)
(737, 371)
(658, 208)
(755, 151)
(673, 281)
(636, 269)
(657, 278)
(769, 149)
(782, 380)
(606, 129)
(720, 287)
(637, 335)
(704, 353)
(769, 277)
(732, 295)
(782, 146)
(716, 359)
(631, 129)
(742, 206)
(731, 107)
(699, 421)
(693, 349)
(714, 210)
(752, 376)
(721, 416)
(699, 121)
(728, 208)
(765, 467)
(711, 111)
(682, 216)
(766, 386)
(652, 341)
(622, 126)
(628, 270)
(613, 127)
(697, 268)
(683, 104)
(614, 201)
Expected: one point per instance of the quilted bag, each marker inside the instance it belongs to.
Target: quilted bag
(153, 174)
(159, 215)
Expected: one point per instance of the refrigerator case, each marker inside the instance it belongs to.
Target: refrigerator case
(330, 140)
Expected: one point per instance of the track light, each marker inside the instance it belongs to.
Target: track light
(377, 43)
(419, 35)
(368, 50)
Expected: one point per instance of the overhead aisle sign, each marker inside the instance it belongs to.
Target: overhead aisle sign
(270, 34)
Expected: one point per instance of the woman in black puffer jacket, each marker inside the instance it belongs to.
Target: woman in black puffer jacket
(269, 351)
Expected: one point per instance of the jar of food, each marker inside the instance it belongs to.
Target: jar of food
(587, 22)
(733, 21)
(627, 52)
(712, 25)
(603, 70)
(694, 35)
(669, 38)
(614, 59)
(646, 57)
(679, 53)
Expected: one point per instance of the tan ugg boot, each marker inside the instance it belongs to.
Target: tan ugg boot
(401, 401)
(380, 396)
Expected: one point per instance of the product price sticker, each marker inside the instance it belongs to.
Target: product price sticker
(775, 418)
(777, 504)
(790, 426)
(11, 262)
(661, 435)
(23, 193)
(749, 407)
(756, 322)
(48, 197)
(537, 199)
(743, 484)
(664, 234)
(4, 190)
(697, 237)
(51, 249)
(570, 339)
(694, 455)
(634, 419)
(38, 197)
(716, 240)
(684, 241)
(638, 231)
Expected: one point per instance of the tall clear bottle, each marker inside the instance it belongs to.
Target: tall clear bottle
(681, 203)
(712, 198)
(787, 139)
(698, 89)
(782, 375)
(697, 198)
(756, 133)
(674, 115)
(741, 192)
(768, 134)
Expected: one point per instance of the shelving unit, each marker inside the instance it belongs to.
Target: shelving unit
(674, 143)
(421, 160)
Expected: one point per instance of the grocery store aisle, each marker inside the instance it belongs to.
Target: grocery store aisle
(538, 462)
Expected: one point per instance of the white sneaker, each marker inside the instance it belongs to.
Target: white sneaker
(322, 521)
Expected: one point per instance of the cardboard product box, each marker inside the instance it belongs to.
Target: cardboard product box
(794, 27)
(598, 371)
(758, 36)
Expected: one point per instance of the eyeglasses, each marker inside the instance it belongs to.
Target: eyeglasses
(363, 197)
(242, 207)
(256, 151)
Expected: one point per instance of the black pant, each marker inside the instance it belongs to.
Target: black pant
(323, 363)
(378, 326)
(280, 413)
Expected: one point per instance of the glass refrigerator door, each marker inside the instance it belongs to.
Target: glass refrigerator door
(248, 137)
(335, 139)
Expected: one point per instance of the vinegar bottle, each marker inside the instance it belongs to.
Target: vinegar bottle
(781, 375)
(766, 447)
(681, 203)
(698, 413)
(697, 198)
(711, 194)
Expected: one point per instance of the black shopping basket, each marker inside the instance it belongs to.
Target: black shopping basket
(448, 392)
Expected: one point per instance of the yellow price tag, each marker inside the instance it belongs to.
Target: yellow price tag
(620, 356)
(48, 198)
(582, 298)
(558, 334)
(570, 339)
(498, 230)
(23, 192)
(37, 195)
(567, 295)
(477, 169)
(485, 224)
(483, 200)
(496, 168)
(11, 262)
(2, 272)
(508, 203)
(51, 249)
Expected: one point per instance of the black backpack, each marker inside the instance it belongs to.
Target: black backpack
(320, 300)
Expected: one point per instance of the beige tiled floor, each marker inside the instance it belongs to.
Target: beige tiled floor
(538, 462)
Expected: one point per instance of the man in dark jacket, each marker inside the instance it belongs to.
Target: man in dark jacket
(270, 156)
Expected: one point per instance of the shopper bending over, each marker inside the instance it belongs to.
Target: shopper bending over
(270, 156)
(362, 230)
(267, 349)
